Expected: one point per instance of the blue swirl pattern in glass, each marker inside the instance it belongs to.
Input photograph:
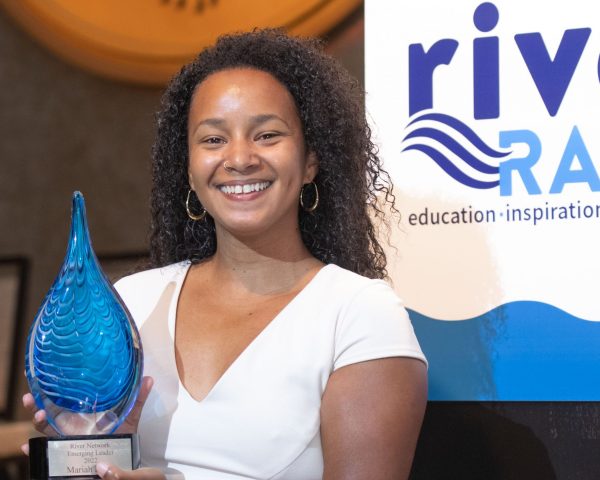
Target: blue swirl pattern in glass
(84, 356)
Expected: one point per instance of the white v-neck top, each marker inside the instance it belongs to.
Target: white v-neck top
(261, 419)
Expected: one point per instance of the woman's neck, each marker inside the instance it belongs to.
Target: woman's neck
(264, 266)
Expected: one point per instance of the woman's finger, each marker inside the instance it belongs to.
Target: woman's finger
(40, 423)
(29, 402)
(110, 472)
(25, 448)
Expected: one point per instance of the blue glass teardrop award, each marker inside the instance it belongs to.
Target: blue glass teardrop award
(84, 365)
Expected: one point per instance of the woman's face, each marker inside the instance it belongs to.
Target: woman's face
(247, 155)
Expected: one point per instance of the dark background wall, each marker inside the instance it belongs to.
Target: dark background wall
(509, 441)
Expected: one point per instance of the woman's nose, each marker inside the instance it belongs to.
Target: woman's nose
(240, 157)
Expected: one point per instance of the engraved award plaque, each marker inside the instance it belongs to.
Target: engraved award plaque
(84, 367)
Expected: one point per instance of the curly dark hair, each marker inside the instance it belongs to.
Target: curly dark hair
(352, 185)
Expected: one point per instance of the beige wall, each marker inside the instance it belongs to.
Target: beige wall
(61, 130)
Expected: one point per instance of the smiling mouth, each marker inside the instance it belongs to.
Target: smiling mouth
(246, 188)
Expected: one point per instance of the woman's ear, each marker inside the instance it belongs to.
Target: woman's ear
(191, 181)
(312, 167)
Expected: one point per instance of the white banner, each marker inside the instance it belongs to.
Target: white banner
(487, 117)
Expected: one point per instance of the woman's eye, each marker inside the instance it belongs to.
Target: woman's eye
(212, 140)
(268, 136)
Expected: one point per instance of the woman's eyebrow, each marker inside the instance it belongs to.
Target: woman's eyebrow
(262, 118)
(213, 122)
(254, 121)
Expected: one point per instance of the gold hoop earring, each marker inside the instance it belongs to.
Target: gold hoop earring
(193, 217)
(316, 200)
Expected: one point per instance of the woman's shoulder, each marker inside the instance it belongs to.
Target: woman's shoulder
(347, 284)
(372, 321)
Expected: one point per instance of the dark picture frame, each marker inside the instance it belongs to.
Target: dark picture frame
(14, 273)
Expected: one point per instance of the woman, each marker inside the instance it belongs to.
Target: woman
(274, 348)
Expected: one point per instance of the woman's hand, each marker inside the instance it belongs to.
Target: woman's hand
(110, 472)
(40, 422)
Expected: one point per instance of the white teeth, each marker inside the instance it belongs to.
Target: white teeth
(246, 188)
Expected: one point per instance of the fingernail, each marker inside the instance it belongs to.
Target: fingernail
(39, 416)
(101, 469)
(25, 448)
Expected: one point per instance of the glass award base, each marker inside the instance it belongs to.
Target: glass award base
(75, 457)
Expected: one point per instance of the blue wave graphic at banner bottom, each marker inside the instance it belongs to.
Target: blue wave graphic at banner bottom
(520, 351)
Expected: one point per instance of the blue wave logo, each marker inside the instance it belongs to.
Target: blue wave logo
(468, 159)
